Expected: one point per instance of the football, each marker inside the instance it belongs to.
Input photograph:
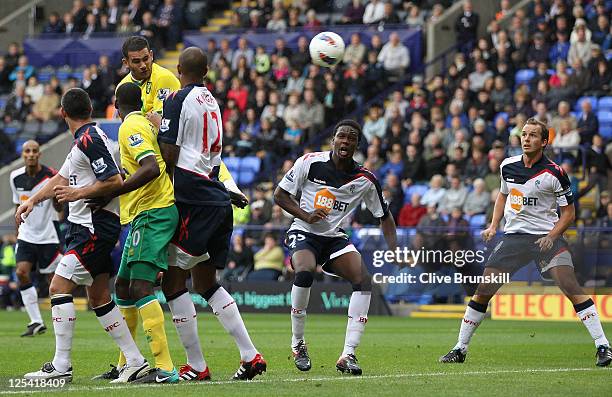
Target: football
(326, 49)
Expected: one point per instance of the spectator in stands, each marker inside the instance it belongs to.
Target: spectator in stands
(313, 114)
(394, 165)
(501, 95)
(374, 12)
(560, 49)
(435, 193)
(466, 28)
(566, 138)
(312, 22)
(79, 15)
(114, 13)
(295, 82)
(126, 26)
(34, 89)
(239, 260)
(333, 102)
(430, 231)
(277, 23)
(563, 114)
(477, 200)
(390, 17)
(353, 13)
(479, 76)
(91, 25)
(355, 52)
(375, 125)
(148, 30)
(269, 260)
(600, 82)
(68, 22)
(54, 24)
(394, 57)
(243, 50)
(23, 66)
(411, 213)
(415, 18)
(239, 94)
(16, 108)
(598, 165)
(564, 92)
(476, 166)
(135, 9)
(454, 197)
(588, 124)
(301, 57)
(603, 205)
(581, 48)
(168, 21)
(5, 81)
(538, 52)
(46, 108)
(392, 190)
(12, 56)
(281, 49)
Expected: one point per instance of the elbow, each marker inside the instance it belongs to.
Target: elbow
(278, 196)
(153, 171)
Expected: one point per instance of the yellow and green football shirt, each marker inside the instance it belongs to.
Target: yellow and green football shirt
(137, 140)
(155, 90)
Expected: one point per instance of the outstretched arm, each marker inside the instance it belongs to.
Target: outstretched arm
(387, 225)
(46, 193)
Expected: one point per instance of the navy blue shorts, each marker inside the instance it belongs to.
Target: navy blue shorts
(203, 233)
(43, 257)
(325, 249)
(514, 251)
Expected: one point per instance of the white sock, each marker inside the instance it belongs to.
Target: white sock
(186, 323)
(299, 302)
(114, 324)
(29, 296)
(63, 315)
(357, 319)
(590, 319)
(224, 307)
(471, 320)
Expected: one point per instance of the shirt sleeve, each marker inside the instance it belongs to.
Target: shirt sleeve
(14, 191)
(169, 127)
(137, 144)
(563, 189)
(100, 159)
(504, 186)
(166, 84)
(293, 180)
(375, 201)
(65, 169)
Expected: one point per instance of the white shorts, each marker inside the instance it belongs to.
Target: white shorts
(179, 258)
(72, 269)
(52, 266)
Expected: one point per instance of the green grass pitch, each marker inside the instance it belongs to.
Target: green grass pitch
(398, 357)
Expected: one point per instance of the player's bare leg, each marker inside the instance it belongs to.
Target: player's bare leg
(474, 314)
(304, 263)
(586, 310)
(186, 323)
(226, 310)
(29, 297)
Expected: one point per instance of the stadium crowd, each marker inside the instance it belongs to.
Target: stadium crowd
(435, 145)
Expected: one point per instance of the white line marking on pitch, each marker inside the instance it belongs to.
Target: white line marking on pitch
(320, 379)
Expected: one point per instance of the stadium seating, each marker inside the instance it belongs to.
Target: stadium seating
(592, 99)
(409, 191)
(524, 76)
(478, 220)
(605, 104)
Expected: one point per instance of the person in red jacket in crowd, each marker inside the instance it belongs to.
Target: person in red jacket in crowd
(411, 213)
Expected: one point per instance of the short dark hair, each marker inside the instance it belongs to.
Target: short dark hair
(543, 127)
(134, 43)
(128, 97)
(77, 104)
(349, 123)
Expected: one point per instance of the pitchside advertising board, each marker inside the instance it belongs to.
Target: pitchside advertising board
(275, 297)
(547, 307)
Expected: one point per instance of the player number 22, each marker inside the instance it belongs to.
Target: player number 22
(294, 238)
(215, 148)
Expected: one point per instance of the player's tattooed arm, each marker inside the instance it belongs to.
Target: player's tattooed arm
(568, 215)
(288, 203)
(46, 193)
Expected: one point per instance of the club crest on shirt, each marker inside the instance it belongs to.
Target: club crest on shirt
(135, 140)
(99, 166)
(165, 125)
(162, 93)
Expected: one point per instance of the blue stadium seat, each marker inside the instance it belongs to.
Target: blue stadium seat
(251, 163)
(2, 104)
(478, 220)
(504, 115)
(605, 118)
(63, 74)
(12, 128)
(592, 99)
(606, 132)
(18, 145)
(30, 129)
(246, 178)
(605, 104)
(232, 164)
(524, 76)
(419, 189)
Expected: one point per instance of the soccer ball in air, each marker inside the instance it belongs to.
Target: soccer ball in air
(326, 49)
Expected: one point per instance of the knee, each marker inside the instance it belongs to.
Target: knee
(23, 275)
(304, 267)
(362, 283)
(203, 287)
(122, 288)
(139, 289)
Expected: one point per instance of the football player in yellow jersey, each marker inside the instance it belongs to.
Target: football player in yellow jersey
(147, 205)
(155, 83)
